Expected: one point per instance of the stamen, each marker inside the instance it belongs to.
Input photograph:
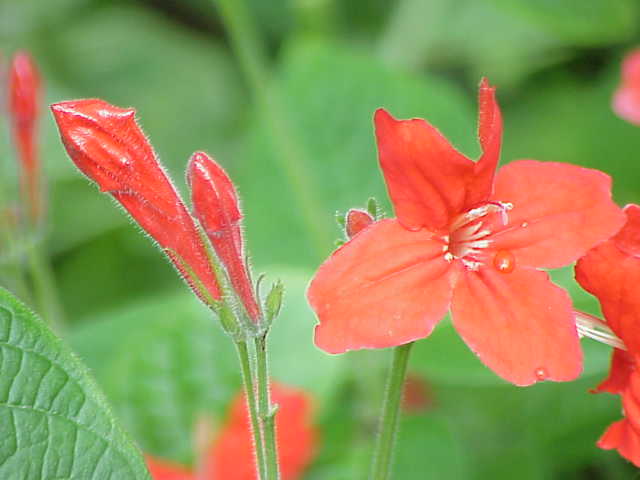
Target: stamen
(596, 329)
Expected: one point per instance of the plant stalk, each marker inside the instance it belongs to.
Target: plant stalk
(250, 392)
(383, 454)
(267, 410)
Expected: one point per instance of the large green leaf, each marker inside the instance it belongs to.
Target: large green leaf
(54, 421)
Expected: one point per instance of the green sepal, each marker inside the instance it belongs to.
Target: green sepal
(273, 302)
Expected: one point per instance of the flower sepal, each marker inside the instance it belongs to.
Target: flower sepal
(273, 303)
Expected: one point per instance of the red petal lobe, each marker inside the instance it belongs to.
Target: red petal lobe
(231, 457)
(490, 134)
(386, 287)
(520, 325)
(559, 212)
(426, 177)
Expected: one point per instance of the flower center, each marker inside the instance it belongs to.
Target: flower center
(469, 234)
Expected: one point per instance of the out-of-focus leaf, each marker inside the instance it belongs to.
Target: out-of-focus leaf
(475, 36)
(587, 23)
(166, 362)
(291, 340)
(55, 421)
(163, 364)
(429, 448)
(330, 94)
(115, 268)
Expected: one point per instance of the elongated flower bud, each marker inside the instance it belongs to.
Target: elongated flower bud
(24, 108)
(108, 146)
(215, 204)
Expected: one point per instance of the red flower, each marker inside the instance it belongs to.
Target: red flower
(108, 146)
(626, 100)
(471, 240)
(215, 204)
(24, 108)
(611, 272)
(231, 456)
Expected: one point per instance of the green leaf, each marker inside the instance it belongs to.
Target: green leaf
(330, 94)
(587, 23)
(55, 422)
(273, 302)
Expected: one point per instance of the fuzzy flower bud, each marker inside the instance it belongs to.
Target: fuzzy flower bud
(24, 99)
(356, 221)
(108, 146)
(215, 204)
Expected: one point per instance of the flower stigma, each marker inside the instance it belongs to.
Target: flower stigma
(468, 237)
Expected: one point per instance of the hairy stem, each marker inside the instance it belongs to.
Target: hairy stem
(266, 409)
(383, 454)
(250, 392)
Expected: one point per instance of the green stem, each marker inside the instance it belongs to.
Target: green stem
(250, 391)
(267, 411)
(44, 287)
(290, 154)
(383, 454)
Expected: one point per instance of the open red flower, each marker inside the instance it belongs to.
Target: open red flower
(626, 100)
(471, 240)
(231, 455)
(24, 108)
(108, 146)
(611, 272)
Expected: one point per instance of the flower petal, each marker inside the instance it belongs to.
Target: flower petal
(231, 456)
(519, 324)
(490, 134)
(622, 366)
(623, 437)
(559, 212)
(386, 287)
(166, 470)
(614, 278)
(426, 177)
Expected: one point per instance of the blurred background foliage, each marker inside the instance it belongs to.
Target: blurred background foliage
(297, 138)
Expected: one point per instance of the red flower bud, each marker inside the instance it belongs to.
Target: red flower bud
(356, 221)
(108, 146)
(24, 98)
(215, 204)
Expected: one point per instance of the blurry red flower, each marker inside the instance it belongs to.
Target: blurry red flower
(215, 204)
(24, 108)
(231, 455)
(626, 100)
(417, 395)
(611, 272)
(108, 146)
(471, 240)
(165, 470)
